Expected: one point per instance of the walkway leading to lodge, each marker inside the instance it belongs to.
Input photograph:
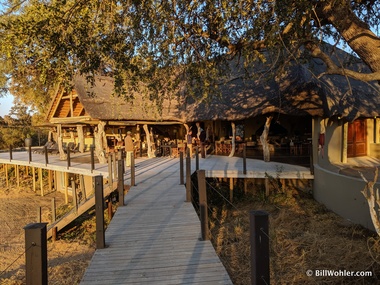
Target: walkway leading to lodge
(155, 237)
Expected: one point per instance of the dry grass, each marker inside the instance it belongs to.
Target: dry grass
(68, 257)
(303, 234)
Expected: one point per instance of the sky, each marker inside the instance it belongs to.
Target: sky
(5, 105)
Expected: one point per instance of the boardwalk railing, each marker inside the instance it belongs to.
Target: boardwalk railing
(259, 234)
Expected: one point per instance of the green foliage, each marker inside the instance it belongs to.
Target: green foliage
(16, 127)
(157, 43)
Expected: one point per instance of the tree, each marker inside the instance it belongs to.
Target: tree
(45, 42)
(16, 126)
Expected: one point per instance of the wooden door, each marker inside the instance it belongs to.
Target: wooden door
(357, 138)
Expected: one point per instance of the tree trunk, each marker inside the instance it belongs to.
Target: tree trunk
(264, 139)
(233, 144)
(99, 135)
(80, 138)
(148, 142)
(373, 198)
(62, 154)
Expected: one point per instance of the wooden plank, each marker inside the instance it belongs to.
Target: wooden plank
(155, 237)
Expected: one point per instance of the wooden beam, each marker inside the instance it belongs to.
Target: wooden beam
(70, 96)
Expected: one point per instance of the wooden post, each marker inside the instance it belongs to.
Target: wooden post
(10, 153)
(74, 194)
(203, 204)
(30, 153)
(36, 254)
(267, 187)
(18, 175)
(41, 181)
(188, 178)
(66, 188)
(53, 210)
(120, 181)
(55, 185)
(244, 159)
(39, 214)
(92, 158)
(197, 158)
(50, 178)
(68, 158)
(259, 236)
(99, 212)
(34, 178)
(133, 176)
(6, 174)
(110, 180)
(54, 234)
(231, 189)
(181, 178)
(109, 207)
(83, 187)
(114, 165)
(46, 155)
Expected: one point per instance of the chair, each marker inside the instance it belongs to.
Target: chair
(174, 152)
(218, 147)
(227, 147)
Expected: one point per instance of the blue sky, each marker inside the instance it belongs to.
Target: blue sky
(5, 105)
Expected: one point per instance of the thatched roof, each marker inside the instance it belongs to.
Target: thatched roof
(101, 102)
(297, 91)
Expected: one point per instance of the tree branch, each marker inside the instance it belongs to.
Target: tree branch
(332, 68)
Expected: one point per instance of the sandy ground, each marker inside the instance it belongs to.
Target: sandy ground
(19, 207)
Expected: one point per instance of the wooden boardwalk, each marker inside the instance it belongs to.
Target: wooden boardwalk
(155, 237)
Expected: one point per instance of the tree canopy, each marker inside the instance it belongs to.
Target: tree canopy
(161, 42)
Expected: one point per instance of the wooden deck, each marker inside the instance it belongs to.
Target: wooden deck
(155, 237)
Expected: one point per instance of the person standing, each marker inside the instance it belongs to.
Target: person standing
(128, 143)
(202, 139)
(189, 142)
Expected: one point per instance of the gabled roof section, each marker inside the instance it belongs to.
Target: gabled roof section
(66, 107)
